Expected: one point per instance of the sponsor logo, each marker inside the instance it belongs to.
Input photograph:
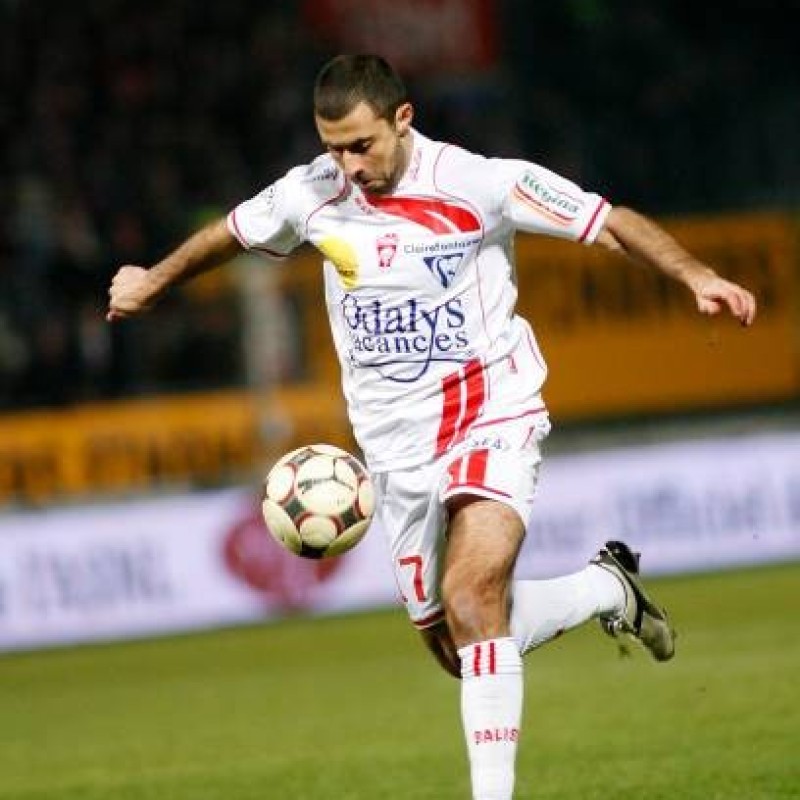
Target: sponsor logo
(442, 258)
(545, 198)
(444, 268)
(386, 247)
(405, 338)
(439, 246)
(343, 257)
(495, 735)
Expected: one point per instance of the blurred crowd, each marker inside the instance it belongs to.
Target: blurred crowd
(673, 106)
(125, 124)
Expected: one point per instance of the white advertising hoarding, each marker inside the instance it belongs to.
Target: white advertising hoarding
(169, 564)
(204, 560)
(699, 505)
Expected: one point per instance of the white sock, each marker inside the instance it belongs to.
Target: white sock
(543, 609)
(491, 710)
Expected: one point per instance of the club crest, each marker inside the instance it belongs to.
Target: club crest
(386, 247)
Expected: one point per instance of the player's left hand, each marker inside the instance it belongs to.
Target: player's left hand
(713, 294)
(130, 293)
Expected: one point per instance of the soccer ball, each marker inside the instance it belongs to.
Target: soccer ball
(318, 501)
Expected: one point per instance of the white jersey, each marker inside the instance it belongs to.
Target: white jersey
(421, 288)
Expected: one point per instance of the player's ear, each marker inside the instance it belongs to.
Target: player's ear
(403, 118)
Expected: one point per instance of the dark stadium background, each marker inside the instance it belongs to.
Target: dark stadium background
(124, 124)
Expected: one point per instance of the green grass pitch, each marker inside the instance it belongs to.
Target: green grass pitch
(352, 708)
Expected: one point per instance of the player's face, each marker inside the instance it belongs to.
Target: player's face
(373, 152)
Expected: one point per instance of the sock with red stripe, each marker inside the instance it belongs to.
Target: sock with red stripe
(491, 710)
(543, 609)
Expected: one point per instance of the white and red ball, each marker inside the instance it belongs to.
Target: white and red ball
(318, 501)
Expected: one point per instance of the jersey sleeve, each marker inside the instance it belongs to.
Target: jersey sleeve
(537, 200)
(266, 223)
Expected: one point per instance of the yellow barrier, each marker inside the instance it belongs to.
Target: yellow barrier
(622, 339)
(107, 449)
(619, 339)
(199, 440)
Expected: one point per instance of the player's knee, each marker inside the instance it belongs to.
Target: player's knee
(474, 608)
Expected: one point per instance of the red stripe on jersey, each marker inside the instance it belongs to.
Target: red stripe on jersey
(476, 467)
(492, 659)
(475, 394)
(451, 409)
(439, 216)
(476, 660)
(454, 471)
(599, 208)
(458, 412)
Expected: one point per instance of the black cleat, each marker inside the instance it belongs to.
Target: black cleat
(642, 619)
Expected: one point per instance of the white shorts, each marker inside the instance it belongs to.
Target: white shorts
(499, 459)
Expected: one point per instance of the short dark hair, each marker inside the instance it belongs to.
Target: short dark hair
(347, 80)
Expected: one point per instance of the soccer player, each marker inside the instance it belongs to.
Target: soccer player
(442, 380)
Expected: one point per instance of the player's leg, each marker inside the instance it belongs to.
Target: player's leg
(506, 465)
(508, 470)
(608, 589)
(483, 541)
(543, 609)
(438, 640)
(484, 537)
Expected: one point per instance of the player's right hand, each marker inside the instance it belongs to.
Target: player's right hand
(131, 292)
(713, 294)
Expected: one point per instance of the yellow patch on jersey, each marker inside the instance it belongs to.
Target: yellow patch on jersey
(343, 257)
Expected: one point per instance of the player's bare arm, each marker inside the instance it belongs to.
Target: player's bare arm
(645, 241)
(137, 289)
